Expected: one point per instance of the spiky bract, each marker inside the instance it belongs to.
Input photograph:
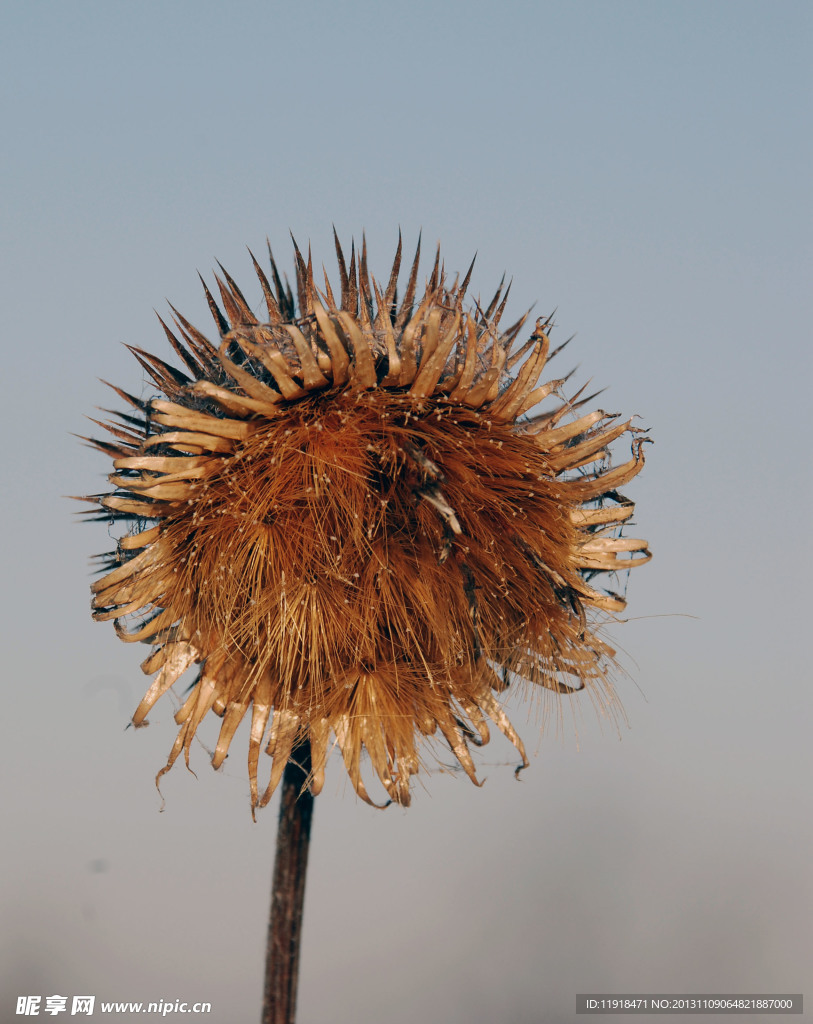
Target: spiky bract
(346, 518)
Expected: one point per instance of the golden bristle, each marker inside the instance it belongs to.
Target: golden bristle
(347, 521)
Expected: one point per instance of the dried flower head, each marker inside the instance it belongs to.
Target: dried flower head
(346, 518)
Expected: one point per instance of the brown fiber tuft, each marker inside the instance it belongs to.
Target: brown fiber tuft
(348, 521)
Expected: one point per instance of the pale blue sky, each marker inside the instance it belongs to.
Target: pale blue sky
(644, 167)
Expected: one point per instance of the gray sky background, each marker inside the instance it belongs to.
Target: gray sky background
(643, 166)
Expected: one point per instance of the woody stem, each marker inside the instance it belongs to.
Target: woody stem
(288, 890)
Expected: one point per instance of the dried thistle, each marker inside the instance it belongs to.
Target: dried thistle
(346, 518)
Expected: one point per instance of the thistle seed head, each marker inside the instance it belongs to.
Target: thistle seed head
(348, 516)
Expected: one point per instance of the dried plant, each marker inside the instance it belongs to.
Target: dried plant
(351, 516)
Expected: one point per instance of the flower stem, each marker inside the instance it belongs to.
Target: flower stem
(288, 890)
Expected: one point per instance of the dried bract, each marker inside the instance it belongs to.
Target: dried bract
(344, 515)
